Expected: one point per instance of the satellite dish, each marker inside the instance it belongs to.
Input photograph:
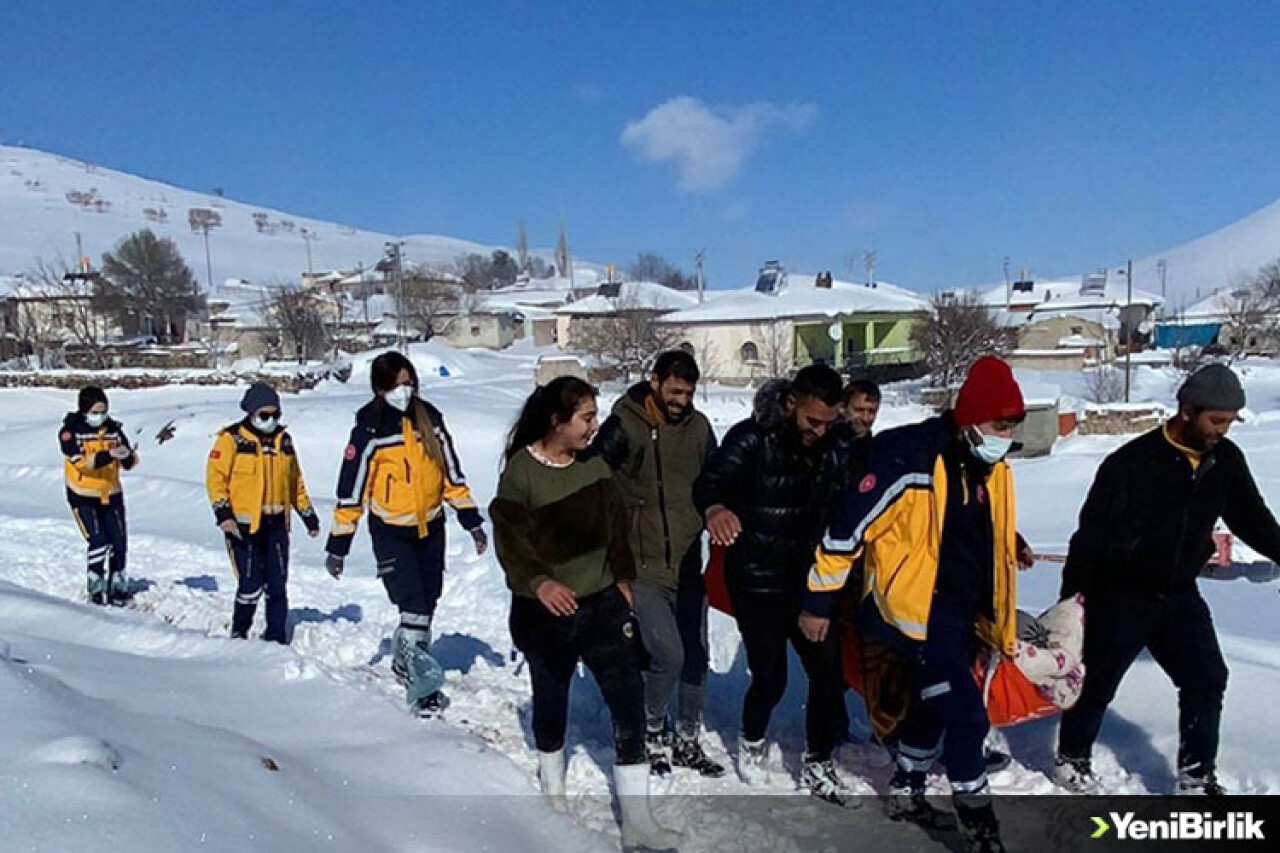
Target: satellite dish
(834, 332)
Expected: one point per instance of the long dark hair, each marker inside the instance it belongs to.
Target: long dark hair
(548, 405)
(384, 374)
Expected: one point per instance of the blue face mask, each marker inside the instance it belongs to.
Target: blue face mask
(96, 419)
(989, 448)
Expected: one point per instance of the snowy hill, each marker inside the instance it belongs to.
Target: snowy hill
(1216, 260)
(45, 199)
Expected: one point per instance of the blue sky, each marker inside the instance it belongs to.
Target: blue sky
(944, 136)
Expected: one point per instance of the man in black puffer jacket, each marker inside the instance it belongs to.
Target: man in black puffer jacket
(1145, 533)
(765, 493)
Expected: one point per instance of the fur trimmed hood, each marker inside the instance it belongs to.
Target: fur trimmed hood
(769, 407)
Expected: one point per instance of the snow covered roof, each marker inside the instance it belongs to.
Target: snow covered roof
(632, 295)
(1070, 293)
(799, 297)
(1077, 341)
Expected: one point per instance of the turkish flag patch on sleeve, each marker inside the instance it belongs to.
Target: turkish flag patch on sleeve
(215, 454)
(350, 452)
(868, 483)
(66, 435)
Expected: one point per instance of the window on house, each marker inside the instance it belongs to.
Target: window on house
(749, 352)
(1077, 330)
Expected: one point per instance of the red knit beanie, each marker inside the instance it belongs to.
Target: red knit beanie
(989, 393)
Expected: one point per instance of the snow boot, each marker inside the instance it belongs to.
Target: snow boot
(640, 832)
(688, 753)
(907, 802)
(551, 773)
(820, 779)
(119, 591)
(1203, 784)
(1076, 775)
(658, 747)
(417, 670)
(97, 586)
(752, 755)
(996, 759)
(980, 830)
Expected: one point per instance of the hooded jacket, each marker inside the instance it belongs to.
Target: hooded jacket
(779, 489)
(655, 464)
(87, 464)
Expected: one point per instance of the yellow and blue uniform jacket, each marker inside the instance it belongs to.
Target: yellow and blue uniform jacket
(89, 468)
(893, 516)
(386, 468)
(250, 475)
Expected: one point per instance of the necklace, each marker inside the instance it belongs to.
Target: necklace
(546, 460)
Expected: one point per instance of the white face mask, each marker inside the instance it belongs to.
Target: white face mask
(96, 419)
(399, 397)
(989, 448)
(266, 425)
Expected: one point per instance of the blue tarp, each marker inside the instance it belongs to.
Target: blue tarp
(1196, 335)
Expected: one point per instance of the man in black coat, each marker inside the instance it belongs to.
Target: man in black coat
(765, 493)
(1145, 533)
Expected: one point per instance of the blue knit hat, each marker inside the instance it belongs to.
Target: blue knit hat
(260, 395)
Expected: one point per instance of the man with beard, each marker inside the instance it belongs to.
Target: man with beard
(764, 494)
(656, 443)
(1145, 533)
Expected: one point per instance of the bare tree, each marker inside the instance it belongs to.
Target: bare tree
(626, 338)
(425, 299)
(776, 348)
(298, 315)
(959, 330)
(1252, 312)
(70, 307)
(649, 266)
(1104, 384)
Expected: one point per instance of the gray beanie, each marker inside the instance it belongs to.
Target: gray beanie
(1215, 387)
(259, 395)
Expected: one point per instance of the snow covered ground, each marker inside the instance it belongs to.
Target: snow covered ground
(149, 729)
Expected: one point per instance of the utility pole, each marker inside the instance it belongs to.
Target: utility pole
(1008, 287)
(1128, 344)
(869, 262)
(1162, 267)
(208, 261)
(307, 237)
(698, 258)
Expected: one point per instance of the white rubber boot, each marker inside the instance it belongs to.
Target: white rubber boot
(639, 830)
(551, 777)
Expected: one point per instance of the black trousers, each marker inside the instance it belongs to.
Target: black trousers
(767, 622)
(603, 635)
(411, 568)
(104, 529)
(261, 563)
(1178, 631)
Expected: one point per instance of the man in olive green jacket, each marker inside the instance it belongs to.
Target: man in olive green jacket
(656, 443)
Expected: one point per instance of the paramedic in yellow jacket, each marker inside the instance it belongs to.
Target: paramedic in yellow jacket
(94, 449)
(401, 464)
(254, 482)
(934, 514)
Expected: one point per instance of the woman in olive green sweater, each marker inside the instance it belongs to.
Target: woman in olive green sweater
(560, 531)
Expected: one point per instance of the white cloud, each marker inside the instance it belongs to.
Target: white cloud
(709, 145)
